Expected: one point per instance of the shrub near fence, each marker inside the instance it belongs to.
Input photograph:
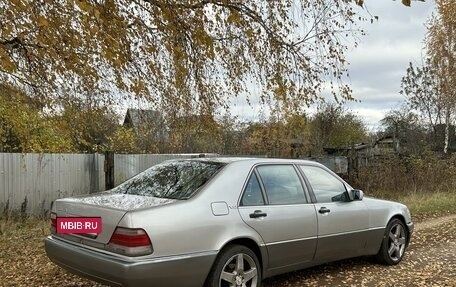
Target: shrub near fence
(399, 175)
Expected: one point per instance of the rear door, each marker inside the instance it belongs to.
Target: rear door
(274, 203)
(342, 224)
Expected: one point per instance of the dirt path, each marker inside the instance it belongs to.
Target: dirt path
(434, 222)
(430, 261)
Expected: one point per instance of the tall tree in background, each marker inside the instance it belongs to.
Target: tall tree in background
(420, 86)
(195, 133)
(334, 127)
(441, 45)
(182, 55)
(406, 129)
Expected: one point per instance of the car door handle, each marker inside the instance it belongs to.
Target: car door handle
(257, 214)
(324, 210)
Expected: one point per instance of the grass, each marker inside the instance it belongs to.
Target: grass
(424, 205)
(15, 226)
(431, 205)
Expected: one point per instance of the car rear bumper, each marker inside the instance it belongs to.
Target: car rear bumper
(186, 270)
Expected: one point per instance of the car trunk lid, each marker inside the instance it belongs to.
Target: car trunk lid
(110, 207)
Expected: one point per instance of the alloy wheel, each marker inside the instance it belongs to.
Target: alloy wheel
(397, 242)
(239, 271)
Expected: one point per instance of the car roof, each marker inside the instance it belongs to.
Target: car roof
(252, 160)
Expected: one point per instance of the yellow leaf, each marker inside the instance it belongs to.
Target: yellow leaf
(54, 54)
(233, 17)
(41, 39)
(406, 2)
(8, 30)
(16, 2)
(96, 12)
(94, 29)
(249, 32)
(42, 21)
(84, 5)
(5, 62)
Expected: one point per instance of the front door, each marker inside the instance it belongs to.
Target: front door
(342, 224)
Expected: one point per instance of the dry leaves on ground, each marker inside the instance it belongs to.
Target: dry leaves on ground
(430, 261)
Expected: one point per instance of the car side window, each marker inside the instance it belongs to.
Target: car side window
(282, 184)
(326, 187)
(252, 194)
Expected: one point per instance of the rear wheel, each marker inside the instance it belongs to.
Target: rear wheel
(394, 243)
(236, 266)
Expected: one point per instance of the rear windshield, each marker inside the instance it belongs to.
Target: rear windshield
(172, 180)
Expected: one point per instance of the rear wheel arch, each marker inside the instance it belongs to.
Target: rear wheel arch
(246, 246)
(249, 243)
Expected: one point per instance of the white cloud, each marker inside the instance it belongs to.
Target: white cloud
(379, 62)
(371, 116)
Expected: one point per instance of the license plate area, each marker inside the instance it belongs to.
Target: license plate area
(84, 226)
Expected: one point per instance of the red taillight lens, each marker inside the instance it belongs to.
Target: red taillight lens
(130, 237)
(53, 217)
(131, 242)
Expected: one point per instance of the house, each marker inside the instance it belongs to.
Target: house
(386, 145)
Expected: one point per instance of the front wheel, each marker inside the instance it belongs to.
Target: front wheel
(394, 243)
(236, 266)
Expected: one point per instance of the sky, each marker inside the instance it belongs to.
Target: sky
(379, 62)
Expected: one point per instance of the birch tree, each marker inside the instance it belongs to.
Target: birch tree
(441, 45)
(421, 88)
(180, 55)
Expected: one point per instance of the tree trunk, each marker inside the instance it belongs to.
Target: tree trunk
(447, 131)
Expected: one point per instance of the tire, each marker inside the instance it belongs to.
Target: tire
(394, 243)
(235, 265)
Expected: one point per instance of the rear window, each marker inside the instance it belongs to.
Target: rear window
(172, 180)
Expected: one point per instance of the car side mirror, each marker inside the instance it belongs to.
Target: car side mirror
(355, 194)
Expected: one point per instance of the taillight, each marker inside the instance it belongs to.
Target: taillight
(53, 222)
(130, 242)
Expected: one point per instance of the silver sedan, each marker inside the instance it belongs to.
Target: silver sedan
(225, 222)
